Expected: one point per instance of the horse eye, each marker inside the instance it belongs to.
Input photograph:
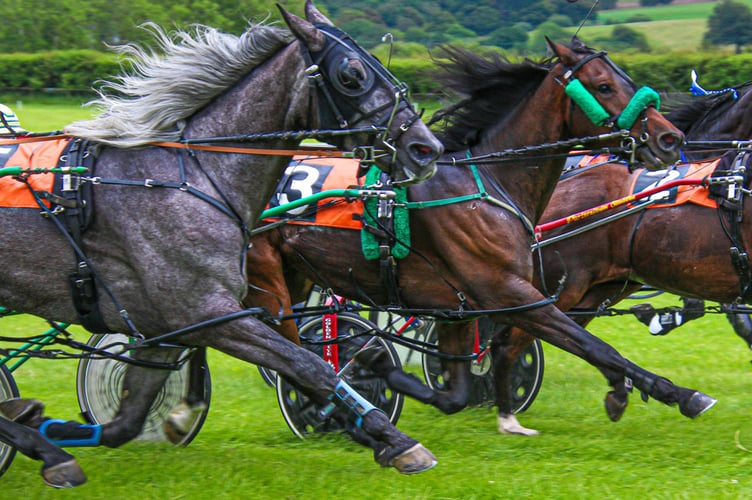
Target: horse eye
(604, 88)
(351, 75)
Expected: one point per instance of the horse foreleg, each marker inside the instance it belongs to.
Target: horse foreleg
(252, 341)
(454, 339)
(551, 325)
(60, 468)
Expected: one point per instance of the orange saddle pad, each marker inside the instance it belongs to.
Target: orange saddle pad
(306, 176)
(645, 179)
(15, 193)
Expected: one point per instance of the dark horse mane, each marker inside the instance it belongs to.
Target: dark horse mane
(489, 87)
(684, 111)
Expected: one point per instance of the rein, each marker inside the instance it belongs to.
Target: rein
(208, 143)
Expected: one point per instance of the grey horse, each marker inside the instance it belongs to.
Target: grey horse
(162, 255)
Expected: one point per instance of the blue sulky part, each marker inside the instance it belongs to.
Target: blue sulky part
(352, 400)
(81, 434)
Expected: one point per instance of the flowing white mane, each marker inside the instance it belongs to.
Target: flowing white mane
(168, 85)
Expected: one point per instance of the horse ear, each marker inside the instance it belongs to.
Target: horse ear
(563, 53)
(314, 16)
(304, 31)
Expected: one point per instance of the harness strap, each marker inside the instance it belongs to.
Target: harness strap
(482, 194)
(81, 280)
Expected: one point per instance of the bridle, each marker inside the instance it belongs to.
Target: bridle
(636, 107)
(331, 76)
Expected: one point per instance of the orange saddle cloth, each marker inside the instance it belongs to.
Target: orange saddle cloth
(644, 179)
(15, 193)
(306, 176)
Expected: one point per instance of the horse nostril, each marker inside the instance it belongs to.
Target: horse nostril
(671, 141)
(423, 153)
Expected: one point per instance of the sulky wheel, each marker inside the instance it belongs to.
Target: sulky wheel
(301, 415)
(527, 372)
(99, 383)
(8, 390)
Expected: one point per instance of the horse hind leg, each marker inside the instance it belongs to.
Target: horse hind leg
(506, 346)
(182, 418)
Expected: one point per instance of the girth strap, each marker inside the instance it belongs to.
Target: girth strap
(731, 205)
(76, 218)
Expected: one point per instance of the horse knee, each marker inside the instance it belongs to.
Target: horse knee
(450, 403)
(120, 431)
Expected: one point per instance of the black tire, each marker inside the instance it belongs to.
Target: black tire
(302, 416)
(527, 373)
(269, 376)
(8, 390)
(99, 384)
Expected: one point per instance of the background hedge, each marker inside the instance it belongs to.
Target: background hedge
(78, 70)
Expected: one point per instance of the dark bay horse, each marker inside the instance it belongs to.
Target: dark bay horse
(163, 256)
(659, 247)
(471, 251)
(720, 116)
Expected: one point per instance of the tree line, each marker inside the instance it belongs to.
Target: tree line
(90, 24)
(52, 25)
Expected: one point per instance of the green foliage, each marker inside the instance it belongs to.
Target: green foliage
(538, 45)
(73, 69)
(730, 24)
(625, 39)
(508, 38)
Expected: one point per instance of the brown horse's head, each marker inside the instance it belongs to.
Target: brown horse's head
(609, 98)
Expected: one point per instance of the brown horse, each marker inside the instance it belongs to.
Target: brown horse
(470, 251)
(611, 262)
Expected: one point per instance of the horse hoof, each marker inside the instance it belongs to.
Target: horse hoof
(64, 475)
(697, 404)
(181, 420)
(615, 406)
(508, 424)
(414, 460)
(21, 410)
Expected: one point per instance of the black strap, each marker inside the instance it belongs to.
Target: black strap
(76, 218)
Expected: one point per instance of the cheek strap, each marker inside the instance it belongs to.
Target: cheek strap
(589, 105)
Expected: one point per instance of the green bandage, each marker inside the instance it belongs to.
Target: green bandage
(587, 103)
(401, 216)
(641, 100)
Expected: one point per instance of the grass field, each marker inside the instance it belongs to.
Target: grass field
(671, 27)
(245, 449)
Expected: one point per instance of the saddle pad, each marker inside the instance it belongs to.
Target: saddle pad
(13, 192)
(306, 176)
(644, 179)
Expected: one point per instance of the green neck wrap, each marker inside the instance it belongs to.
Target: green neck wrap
(644, 97)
